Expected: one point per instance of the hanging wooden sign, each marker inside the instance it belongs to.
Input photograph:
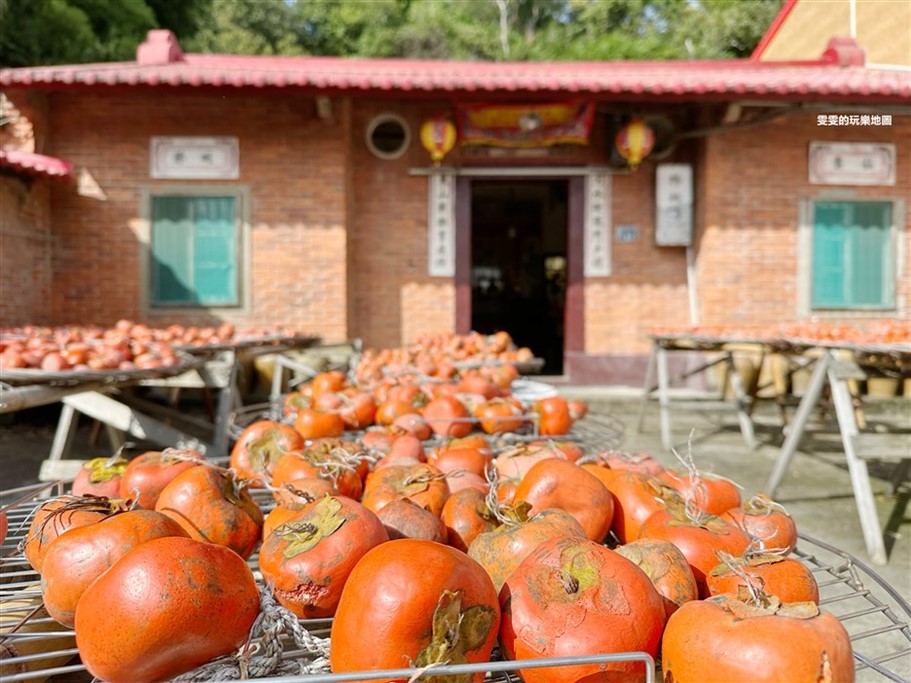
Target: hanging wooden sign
(674, 205)
(596, 238)
(194, 158)
(441, 226)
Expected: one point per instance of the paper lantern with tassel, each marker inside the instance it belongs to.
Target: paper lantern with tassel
(438, 135)
(634, 141)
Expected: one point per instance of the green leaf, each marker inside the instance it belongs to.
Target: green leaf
(455, 632)
(104, 469)
(267, 450)
(320, 522)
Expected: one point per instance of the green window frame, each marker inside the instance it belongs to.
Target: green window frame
(195, 246)
(853, 255)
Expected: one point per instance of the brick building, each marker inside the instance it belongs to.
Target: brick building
(297, 191)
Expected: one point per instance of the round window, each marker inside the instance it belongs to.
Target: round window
(388, 136)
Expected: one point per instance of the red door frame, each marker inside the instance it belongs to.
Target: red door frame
(574, 322)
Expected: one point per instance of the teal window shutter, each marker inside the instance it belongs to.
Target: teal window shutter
(829, 245)
(871, 251)
(852, 255)
(194, 249)
(215, 251)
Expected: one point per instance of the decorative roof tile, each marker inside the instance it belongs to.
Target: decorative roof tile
(163, 65)
(35, 164)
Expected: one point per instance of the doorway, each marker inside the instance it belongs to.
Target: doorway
(519, 263)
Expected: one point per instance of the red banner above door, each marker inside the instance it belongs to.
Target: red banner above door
(525, 125)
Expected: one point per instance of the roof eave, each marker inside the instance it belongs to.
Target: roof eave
(606, 93)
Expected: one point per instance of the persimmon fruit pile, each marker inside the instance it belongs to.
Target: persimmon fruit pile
(429, 540)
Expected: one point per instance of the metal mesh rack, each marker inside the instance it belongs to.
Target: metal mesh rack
(874, 613)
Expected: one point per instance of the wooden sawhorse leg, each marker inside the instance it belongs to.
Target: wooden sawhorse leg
(664, 398)
(648, 388)
(794, 431)
(857, 468)
(743, 403)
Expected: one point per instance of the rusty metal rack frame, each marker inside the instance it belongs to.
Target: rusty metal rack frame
(875, 614)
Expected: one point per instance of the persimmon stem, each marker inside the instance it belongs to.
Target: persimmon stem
(570, 583)
(493, 503)
(753, 583)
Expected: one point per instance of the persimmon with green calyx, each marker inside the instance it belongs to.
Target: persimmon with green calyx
(75, 559)
(58, 515)
(755, 639)
(166, 607)
(332, 460)
(294, 401)
(307, 558)
(148, 473)
(213, 505)
(573, 597)
(422, 483)
(296, 495)
(698, 535)
(502, 550)
(788, 579)
(467, 515)
(636, 498)
(766, 522)
(260, 446)
(709, 492)
(422, 603)
(100, 476)
(558, 483)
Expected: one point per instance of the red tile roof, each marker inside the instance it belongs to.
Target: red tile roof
(35, 164)
(161, 64)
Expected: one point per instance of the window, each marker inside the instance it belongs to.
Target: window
(388, 136)
(853, 259)
(195, 247)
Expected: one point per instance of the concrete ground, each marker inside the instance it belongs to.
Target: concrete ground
(816, 490)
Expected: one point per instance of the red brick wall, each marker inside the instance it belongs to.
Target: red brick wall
(749, 185)
(339, 237)
(25, 237)
(291, 162)
(755, 180)
(647, 285)
(394, 300)
(25, 251)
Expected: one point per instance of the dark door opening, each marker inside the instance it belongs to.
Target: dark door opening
(518, 263)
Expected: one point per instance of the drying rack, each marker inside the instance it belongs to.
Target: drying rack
(875, 614)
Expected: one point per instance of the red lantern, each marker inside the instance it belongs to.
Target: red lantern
(635, 141)
(438, 135)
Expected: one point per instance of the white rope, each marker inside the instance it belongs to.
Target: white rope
(261, 655)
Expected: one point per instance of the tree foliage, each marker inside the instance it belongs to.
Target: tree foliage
(102, 30)
(35, 32)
